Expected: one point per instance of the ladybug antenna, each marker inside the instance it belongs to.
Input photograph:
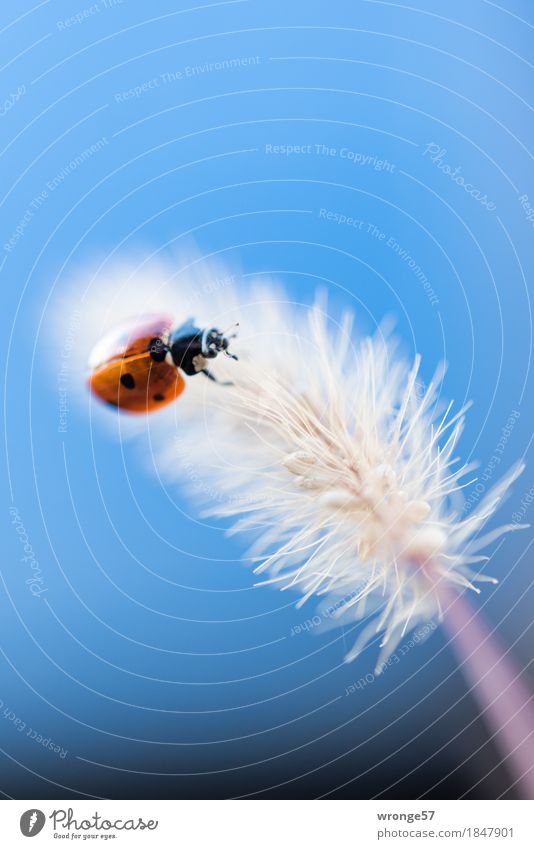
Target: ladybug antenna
(228, 338)
(225, 332)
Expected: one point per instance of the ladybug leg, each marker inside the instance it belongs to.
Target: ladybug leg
(211, 376)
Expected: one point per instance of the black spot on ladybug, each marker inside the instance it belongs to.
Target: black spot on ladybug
(159, 397)
(127, 381)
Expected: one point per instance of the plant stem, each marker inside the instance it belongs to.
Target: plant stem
(505, 701)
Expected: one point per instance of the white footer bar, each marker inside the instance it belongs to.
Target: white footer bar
(269, 824)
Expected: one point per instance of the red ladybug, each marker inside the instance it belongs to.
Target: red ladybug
(138, 366)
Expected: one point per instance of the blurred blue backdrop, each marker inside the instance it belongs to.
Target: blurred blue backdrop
(138, 664)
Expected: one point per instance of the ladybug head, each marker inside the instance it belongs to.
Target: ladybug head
(214, 341)
(190, 346)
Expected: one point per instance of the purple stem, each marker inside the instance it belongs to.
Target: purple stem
(505, 701)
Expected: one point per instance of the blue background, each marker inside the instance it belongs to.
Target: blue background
(160, 669)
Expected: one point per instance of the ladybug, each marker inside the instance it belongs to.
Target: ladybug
(139, 366)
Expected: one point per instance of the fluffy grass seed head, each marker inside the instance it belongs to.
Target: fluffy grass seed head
(329, 450)
(343, 465)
